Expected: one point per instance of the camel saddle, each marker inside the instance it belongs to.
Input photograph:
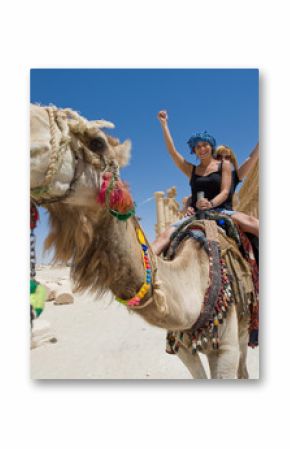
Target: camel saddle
(241, 268)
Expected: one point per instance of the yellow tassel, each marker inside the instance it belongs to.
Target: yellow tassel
(141, 237)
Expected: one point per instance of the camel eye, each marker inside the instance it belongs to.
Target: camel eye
(98, 145)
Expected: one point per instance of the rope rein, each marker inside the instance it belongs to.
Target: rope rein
(55, 149)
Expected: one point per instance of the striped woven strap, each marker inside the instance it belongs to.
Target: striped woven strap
(211, 230)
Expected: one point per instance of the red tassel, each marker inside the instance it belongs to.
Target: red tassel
(120, 198)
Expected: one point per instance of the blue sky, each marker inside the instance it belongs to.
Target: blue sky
(225, 102)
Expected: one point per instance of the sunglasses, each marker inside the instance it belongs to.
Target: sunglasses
(220, 157)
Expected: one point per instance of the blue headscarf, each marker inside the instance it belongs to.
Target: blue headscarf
(201, 137)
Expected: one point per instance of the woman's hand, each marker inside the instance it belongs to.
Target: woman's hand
(189, 212)
(203, 204)
(162, 117)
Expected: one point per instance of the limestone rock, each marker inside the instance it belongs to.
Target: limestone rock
(41, 333)
(51, 295)
(64, 298)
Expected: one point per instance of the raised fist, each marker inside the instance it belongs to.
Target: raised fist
(162, 116)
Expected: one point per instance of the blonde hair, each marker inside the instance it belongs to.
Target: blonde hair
(222, 148)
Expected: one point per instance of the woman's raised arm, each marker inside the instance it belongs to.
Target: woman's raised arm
(249, 163)
(178, 159)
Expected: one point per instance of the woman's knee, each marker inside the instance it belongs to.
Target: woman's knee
(253, 220)
(167, 233)
(240, 217)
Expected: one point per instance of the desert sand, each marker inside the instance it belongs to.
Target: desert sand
(97, 338)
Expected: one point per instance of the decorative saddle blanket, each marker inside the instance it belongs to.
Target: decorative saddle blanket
(233, 278)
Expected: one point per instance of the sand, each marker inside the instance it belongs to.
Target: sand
(97, 338)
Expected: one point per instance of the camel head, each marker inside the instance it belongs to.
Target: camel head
(71, 159)
(69, 154)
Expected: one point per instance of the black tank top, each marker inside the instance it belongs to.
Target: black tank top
(211, 186)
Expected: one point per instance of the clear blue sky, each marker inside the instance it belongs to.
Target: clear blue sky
(224, 102)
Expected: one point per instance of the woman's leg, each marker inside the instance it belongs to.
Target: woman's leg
(246, 222)
(162, 240)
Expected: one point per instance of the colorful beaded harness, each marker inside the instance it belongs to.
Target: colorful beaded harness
(115, 195)
(136, 300)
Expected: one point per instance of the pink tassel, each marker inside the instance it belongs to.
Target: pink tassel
(105, 184)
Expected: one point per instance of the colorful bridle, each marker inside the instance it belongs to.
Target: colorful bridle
(115, 195)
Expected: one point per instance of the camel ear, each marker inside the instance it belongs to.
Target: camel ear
(103, 124)
(89, 127)
(94, 126)
(123, 153)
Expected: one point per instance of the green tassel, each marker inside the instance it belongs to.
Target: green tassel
(33, 285)
(122, 217)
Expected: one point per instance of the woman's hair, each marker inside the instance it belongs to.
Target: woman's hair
(201, 137)
(221, 148)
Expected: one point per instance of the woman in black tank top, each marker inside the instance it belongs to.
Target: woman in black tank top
(211, 177)
(210, 185)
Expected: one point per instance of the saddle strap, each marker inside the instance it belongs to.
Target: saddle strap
(211, 230)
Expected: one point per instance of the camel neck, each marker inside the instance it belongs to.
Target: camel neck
(183, 281)
(125, 258)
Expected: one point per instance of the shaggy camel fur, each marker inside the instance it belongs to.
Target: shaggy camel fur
(104, 253)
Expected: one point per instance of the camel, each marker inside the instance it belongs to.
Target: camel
(69, 156)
